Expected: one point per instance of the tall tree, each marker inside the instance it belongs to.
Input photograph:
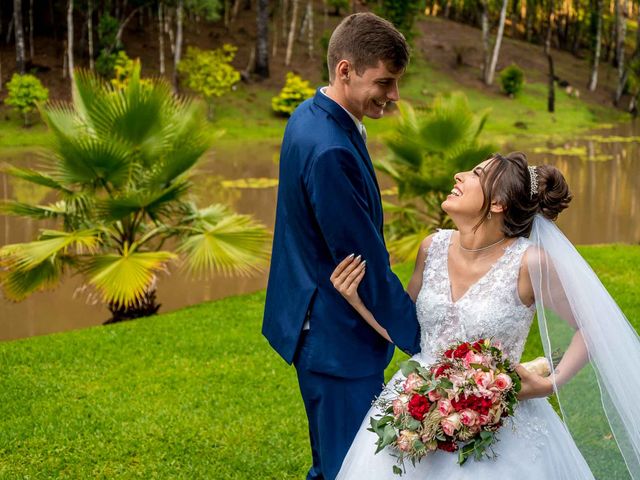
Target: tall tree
(496, 47)
(596, 27)
(90, 33)
(292, 31)
(551, 96)
(70, 39)
(621, 31)
(161, 35)
(262, 39)
(177, 52)
(31, 46)
(19, 35)
(484, 20)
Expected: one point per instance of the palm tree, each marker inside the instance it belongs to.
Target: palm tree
(121, 170)
(426, 151)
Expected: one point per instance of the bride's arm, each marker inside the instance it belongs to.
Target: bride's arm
(350, 272)
(576, 355)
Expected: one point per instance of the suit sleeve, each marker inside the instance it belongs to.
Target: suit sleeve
(337, 195)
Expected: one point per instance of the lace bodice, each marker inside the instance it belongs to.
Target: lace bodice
(491, 307)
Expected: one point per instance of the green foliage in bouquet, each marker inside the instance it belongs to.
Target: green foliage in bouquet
(25, 91)
(295, 91)
(120, 168)
(427, 150)
(512, 80)
(209, 72)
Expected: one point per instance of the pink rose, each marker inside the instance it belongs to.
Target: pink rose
(445, 407)
(503, 382)
(496, 414)
(434, 396)
(451, 424)
(405, 440)
(473, 357)
(483, 379)
(474, 429)
(469, 417)
(412, 383)
(484, 419)
(400, 405)
(457, 380)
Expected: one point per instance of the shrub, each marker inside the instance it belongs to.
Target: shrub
(324, 44)
(25, 91)
(295, 91)
(402, 14)
(209, 72)
(512, 79)
(337, 5)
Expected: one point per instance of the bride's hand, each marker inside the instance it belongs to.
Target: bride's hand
(347, 276)
(533, 385)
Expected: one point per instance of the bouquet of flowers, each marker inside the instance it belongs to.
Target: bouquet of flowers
(456, 405)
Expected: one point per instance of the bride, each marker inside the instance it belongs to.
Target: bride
(486, 279)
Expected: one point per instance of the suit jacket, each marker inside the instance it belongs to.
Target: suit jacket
(328, 207)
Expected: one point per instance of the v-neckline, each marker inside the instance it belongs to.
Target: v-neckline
(482, 277)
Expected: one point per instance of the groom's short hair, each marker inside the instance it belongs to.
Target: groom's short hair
(365, 39)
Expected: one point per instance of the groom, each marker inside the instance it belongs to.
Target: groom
(329, 207)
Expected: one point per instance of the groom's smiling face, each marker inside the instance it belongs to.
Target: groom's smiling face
(367, 94)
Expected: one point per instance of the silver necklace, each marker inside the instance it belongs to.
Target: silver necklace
(482, 248)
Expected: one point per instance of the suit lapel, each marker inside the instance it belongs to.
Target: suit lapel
(344, 120)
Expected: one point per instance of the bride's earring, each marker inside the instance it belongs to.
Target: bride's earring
(489, 216)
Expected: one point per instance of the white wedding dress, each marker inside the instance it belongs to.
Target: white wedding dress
(534, 444)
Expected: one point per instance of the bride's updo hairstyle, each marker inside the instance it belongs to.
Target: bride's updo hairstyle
(507, 182)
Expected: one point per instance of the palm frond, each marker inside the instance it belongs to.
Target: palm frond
(38, 212)
(235, 244)
(406, 248)
(18, 284)
(39, 178)
(22, 257)
(123, 279)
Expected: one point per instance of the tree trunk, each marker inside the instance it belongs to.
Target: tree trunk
(285, 7)
(310, 31)
(262, 39)
(178, 49)
(161, 36)
(551, 97)
(123, 25)
(90, 33)
(530, 16)
(145, 306)
(496, 47)
(70, 39)
(621, 30)
(292, 30)
(485, 38)
(593, 80)
(236, 8)
(19, 35)
(31, 47)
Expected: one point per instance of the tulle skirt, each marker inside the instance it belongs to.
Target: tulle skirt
(534, 444)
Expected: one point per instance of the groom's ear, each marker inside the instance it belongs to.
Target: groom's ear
(343, 69)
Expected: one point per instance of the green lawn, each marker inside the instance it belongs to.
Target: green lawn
(196, 393)
(245, 115)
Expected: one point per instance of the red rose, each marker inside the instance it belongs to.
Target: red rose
(477, 346)
(462, 350)
(419, 406)
(440, 370)
(449, 353)
(447, 446)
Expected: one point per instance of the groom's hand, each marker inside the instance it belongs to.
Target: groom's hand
(347, 276)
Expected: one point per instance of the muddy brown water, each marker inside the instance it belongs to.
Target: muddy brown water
(602, 168)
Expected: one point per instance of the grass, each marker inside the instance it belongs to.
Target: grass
(196, 393)
(245, 115)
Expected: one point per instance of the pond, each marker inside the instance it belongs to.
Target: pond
(602, 168)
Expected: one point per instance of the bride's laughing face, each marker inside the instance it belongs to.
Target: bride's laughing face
(467, 196)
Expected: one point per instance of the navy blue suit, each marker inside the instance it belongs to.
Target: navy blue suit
(329, 207)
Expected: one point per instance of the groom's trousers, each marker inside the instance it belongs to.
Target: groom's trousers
(335, 409)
